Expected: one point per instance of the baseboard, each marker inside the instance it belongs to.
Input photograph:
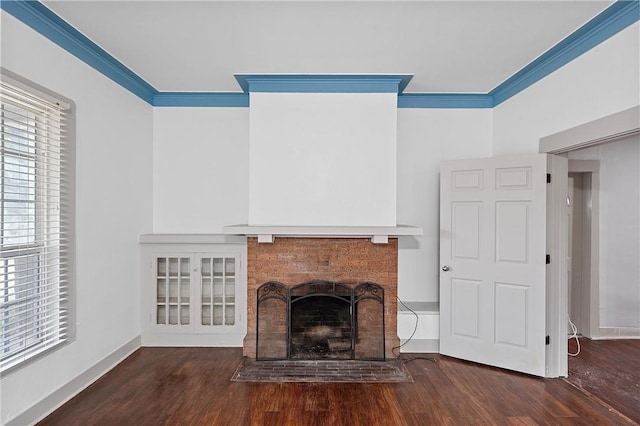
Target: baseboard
(618, 333)
(420, 346)
(52, 402)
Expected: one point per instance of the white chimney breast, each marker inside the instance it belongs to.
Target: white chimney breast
(322, 159)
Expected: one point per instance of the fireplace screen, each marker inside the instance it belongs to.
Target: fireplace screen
(320, 320)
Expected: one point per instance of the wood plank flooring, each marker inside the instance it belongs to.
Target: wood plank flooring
(609, 371)
(191, 386)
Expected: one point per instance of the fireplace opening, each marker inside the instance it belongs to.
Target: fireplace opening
(320, 320)
(321, 326)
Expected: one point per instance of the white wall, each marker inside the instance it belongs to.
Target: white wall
(425, 138)
(619, 230)
(113, 206)
(206, 151)
(200, 169)
(322, 159)
(211, 146)
(601, 82)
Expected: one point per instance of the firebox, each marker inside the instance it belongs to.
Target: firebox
(320, 320)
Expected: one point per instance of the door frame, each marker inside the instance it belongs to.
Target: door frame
(557, 283)
(606, 129)
(592, 305)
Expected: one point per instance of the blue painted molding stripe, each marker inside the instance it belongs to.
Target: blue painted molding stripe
(323, 83)
(200, 99)
(37, 16)
(445, 100)
(611, 21)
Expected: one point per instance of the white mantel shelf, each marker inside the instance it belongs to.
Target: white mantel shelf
(378, 234)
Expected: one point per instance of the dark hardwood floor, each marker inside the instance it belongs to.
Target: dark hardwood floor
(608, 371)
(191, 386)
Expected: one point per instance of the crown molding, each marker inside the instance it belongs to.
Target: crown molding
(324, 83)
(608, 23)
(445, 100)
(37, 16)
(201, 99)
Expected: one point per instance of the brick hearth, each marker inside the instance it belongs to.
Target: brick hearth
(348, 261)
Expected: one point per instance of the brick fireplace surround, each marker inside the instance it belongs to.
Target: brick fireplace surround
(348, 261)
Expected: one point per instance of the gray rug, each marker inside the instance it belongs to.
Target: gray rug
(321, 371)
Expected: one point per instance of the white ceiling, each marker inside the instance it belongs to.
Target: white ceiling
(449, 46)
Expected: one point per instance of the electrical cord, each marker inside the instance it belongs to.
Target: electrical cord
(574, 329)
(415, 328)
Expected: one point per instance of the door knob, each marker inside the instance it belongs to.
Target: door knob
(445, 268)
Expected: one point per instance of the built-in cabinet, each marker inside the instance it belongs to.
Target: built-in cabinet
(194, 290)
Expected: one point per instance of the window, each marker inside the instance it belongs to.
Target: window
(34, 215)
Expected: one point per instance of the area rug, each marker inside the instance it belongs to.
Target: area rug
(322, 371)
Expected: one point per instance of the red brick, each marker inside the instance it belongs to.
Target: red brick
(349, 261)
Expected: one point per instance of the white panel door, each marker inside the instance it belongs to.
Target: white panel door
(492, 252)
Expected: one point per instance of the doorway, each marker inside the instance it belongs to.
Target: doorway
(582, 247)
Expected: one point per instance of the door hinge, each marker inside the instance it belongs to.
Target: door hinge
(548, 177)
(547, 340)
(548, 259)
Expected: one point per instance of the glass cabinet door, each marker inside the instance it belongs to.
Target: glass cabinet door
(218, 290)
(173, 284)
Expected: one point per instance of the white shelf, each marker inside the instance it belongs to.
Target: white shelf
(419, 307)
(378, 234)
(190, 239)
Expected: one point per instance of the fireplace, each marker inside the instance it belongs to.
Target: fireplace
(321, 298)
(320, 320)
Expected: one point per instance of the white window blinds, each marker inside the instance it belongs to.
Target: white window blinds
(34, 233)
